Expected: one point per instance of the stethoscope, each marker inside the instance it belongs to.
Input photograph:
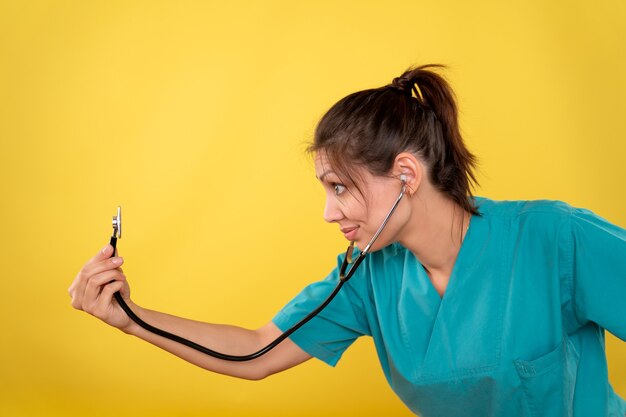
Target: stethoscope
(343, 278)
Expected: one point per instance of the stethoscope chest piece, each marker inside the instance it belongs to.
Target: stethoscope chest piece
(117, 223)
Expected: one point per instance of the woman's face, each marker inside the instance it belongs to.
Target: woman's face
(360, 215)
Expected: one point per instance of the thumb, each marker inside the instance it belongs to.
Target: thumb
(105, 253)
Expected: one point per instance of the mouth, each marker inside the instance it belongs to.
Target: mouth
(350, 232)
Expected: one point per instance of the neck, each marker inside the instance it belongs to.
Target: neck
(435, 230)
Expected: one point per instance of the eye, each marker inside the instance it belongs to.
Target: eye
(339, 188)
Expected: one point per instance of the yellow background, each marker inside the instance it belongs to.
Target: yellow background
(194, 117)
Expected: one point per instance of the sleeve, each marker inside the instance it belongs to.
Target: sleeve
(599, 271)
(334, 329)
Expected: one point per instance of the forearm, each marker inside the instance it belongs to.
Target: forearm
(222, 338)
(101, 277)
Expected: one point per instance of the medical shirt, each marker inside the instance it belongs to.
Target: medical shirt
(518, 332)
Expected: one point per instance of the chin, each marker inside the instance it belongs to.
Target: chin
(378, 245)
(360, 245)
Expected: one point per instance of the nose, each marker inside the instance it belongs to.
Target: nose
(332, 212)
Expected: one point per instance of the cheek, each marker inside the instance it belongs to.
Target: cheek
(397, 220)
(356, 213)
(351, 208)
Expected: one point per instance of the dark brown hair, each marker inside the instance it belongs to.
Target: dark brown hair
(416, 113)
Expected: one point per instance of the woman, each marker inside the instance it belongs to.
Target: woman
(476, 307)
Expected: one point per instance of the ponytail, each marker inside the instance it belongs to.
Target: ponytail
(452, 168)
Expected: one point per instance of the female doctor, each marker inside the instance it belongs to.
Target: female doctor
(476, 307)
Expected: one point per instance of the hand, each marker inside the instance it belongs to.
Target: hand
(93, 288)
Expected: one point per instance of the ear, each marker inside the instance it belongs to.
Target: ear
(407, 164)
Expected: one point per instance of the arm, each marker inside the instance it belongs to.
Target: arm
(222, 338)
(92, 291)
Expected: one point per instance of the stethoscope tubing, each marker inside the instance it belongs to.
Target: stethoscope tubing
(224, 356)
(343, 278)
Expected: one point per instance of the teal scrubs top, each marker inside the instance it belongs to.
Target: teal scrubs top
(518, 332)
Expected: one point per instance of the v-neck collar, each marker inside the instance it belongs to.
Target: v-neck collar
(439, 333)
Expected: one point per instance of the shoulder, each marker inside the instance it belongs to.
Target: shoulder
(569, 221)
(546, 220)
(525, 213)
(522, 208)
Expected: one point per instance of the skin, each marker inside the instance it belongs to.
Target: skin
(92, 291)
(425, 222)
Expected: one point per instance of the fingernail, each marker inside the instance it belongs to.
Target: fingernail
(116, 260)
(105, 249)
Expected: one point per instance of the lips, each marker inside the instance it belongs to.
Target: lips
(349, 232)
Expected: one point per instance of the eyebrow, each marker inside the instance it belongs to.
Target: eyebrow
(324, 174)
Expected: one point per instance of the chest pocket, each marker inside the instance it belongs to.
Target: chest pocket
(549, 381)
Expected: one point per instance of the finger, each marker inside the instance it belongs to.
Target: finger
(87, 269)
(77, 290)
(95, 285)
(105, 299)
(105, 277)
(125, 291)
(77, 297)
(104, 253)
(107, 264)
(78, 287)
